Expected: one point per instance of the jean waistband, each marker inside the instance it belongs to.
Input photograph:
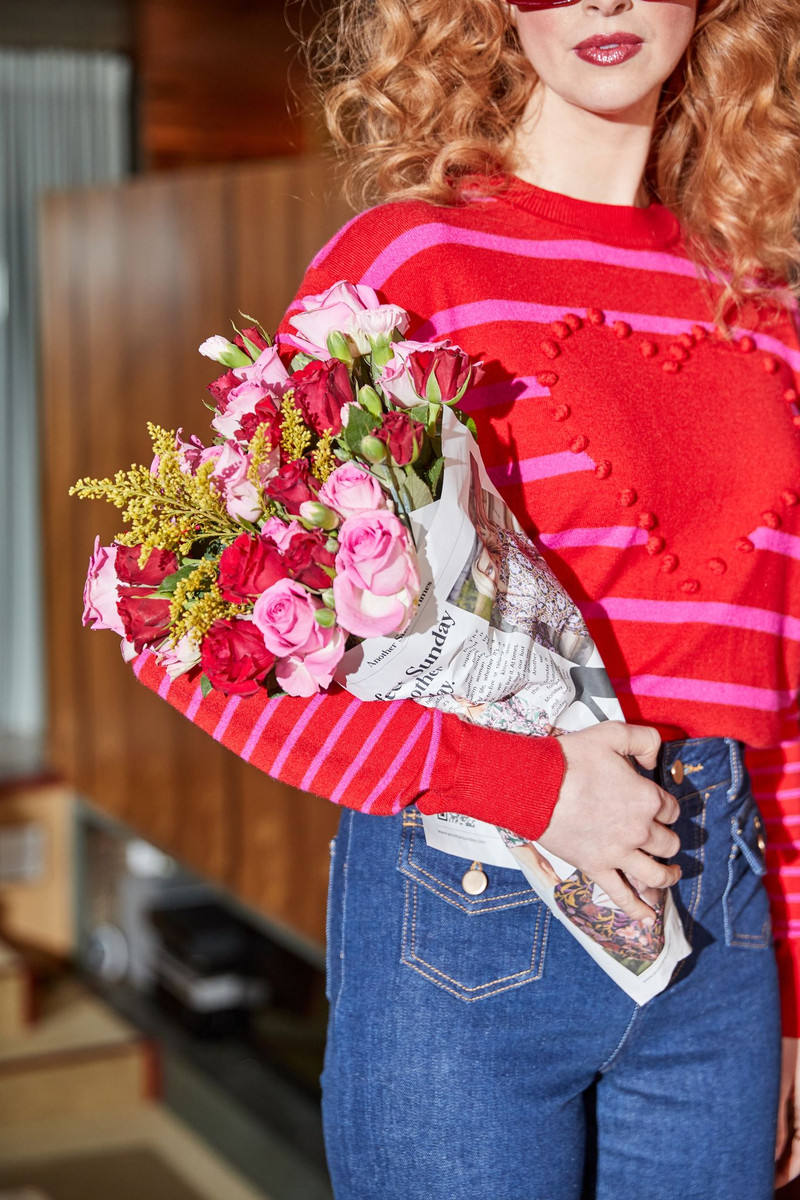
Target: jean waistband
(698, 764)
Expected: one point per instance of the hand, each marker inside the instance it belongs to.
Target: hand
(787, 1143)
(609, 819)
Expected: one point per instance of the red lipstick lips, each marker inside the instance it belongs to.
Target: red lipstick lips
(609, 49)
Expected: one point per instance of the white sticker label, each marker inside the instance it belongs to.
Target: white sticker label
(467, 838)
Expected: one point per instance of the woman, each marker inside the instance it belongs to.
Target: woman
(640, 414)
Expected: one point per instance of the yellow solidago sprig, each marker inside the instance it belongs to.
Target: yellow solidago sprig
(296, 437)
(323, 460)
(197, 603)
(168, 508)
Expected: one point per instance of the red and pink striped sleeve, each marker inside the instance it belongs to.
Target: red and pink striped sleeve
(376, 757)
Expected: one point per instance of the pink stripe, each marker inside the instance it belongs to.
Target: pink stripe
(138, 665)
(259, 727)
(707, 691)
(364, 752)
(618, 537)
(329, 743)
(678, 612)
(298, 728)
(224, 721)
(776, 541)
(491, 311)
(434, 234)
(164, 686)
(423, 722)
(780, 794)
(433, 750)
(780, 768)
(490, 394)
(545, 466)
(194, 703)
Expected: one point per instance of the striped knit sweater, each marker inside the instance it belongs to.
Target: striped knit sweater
(656, 463)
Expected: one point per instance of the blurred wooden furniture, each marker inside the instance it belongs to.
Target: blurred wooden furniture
(133, 279)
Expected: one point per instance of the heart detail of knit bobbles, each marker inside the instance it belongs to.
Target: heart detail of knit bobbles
(697, 484)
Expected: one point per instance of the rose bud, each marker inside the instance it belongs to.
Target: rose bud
(316, 514)
(402, 437)
(223, 351)
(372, 448)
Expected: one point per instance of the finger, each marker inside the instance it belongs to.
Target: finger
(789, 1167)
(662, 842)
(622, 894)
(782, 1135)
(652, 873)
(670, 809)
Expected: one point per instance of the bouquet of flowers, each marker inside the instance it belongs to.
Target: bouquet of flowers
(341, 526)
(258, 556)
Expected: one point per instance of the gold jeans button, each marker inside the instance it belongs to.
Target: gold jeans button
(474, 881)
(676, 771)
(759, 827)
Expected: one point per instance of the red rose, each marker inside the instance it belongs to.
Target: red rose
(448, 364)
(221, 388)
(234, 657)
(291, 485)
(320, 389)
(402, 435)
(144, 619)
(305, 557)
(254, 335)
(248, 567)
(265, 414)
(159, 564)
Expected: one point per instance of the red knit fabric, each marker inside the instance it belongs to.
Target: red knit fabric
(657, 463)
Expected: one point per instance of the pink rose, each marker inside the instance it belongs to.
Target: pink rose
(235, 658)
(373, 323)
(309, 672)
(180, 658)
(280, 532)
(265, 379)
(350, 489)
(230, 475)
(285, 615)
(327, 312)
(377, 581)
(101, 593)
(419, 368)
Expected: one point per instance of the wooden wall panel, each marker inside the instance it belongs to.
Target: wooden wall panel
(134, 278)
(216, 82)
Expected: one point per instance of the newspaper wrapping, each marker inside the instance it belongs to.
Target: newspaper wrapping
(496, 640)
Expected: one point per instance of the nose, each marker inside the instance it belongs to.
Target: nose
(608, 8)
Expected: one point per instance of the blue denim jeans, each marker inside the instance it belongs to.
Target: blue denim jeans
(475, 1050)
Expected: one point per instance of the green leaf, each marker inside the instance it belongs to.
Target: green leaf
(416, 492)
(301, 360)
(206, 685)
(435, 475)
(252, 321)
(360, 424)
(170, 582)
(252, 348)
(419, 413)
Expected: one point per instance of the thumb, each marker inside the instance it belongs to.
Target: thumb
(641, 742)
(619, 890)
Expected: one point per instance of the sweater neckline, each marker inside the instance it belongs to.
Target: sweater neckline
(653, 227)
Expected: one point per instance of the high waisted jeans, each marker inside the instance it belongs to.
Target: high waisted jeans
(475, 1051)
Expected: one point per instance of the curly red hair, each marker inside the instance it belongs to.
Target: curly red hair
(419, 95)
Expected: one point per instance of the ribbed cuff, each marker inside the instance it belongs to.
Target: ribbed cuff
(502, 778)
(787, 953)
